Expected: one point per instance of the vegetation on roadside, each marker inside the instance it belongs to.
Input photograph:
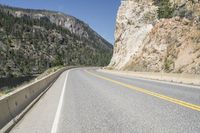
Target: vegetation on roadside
(168, 64)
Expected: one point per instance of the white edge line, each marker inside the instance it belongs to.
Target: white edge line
(57, 116)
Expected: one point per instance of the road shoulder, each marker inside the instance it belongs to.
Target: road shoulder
(174, 79)
(43, 112)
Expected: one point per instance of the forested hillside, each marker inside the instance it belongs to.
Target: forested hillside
(31, 45)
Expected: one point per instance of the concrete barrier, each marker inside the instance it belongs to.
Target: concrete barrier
(14, 103)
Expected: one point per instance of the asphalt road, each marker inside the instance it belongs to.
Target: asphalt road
(87, 101)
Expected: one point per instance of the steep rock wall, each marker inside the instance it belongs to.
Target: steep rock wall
(134, 21)
(145, 43)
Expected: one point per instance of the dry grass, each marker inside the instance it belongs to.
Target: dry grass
(49, 71)
(108, 68)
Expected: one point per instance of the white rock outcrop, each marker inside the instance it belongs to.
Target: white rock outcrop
(135, 20)
(145, 43)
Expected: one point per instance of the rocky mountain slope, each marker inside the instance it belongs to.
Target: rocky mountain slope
(158, 35)
(33, 40)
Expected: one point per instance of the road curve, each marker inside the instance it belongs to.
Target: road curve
(84, 100)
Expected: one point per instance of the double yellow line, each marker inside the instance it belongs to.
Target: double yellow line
(160, 96)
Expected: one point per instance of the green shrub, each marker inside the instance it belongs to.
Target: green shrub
(167, 64)
(165, 8)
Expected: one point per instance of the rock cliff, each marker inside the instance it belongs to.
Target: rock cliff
(148, 39)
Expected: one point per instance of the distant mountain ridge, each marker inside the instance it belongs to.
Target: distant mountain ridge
(69, 22)
(34, 40)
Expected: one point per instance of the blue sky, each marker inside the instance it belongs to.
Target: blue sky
(99, 14)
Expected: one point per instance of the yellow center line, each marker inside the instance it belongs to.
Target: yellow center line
(160, 96)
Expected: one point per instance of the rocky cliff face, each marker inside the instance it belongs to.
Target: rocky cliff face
(145, 42)
(33, 40)
(135, 20)
(187, 8)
